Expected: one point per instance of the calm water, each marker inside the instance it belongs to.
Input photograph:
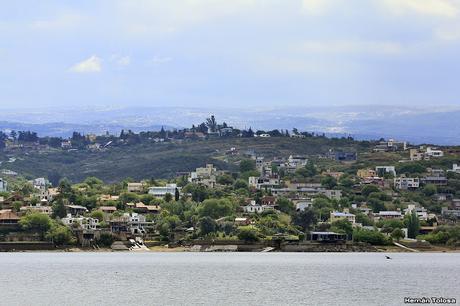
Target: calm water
(225, 278)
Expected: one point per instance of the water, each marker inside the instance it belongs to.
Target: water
(225, 278)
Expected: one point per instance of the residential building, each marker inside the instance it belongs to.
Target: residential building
(135, 187)
(388, 215)
(335, 216)
(40, 183)
(204, 176)
(447, 213)
(131, 223)
(342, 156)
(85, 223)
(161, 191)
(405, 183)
(8, 219)
(435, 180)
(3, 185)
(433, 152)
(421, 212)
(382, 170)
(390, 145)
(424, 153)
(76, 210)
(335, 174)
(264, 182)
(327, 237)
(366, 173)
(302, 204)
(455, 168)
(43, 209)
(256, 208)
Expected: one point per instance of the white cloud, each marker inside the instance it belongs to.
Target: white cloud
(442, 8)
(121, 61)
(316, 7)
(90, 65)
(63, 21)
(344, 46)
(160, 60)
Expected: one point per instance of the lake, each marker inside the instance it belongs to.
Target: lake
(226, 278)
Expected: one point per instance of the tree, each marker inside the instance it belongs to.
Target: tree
(430, 190)
(368, 189)
(216, 208)
(211, 123)
(36, 222)
(248, 234)
(247, 165)
(168, 197)
(413, 225)
(397, 234)
(97, 214)
(176, 195)
(59, 209)
(328, 182)
(305, 219)
(343, 226)
(207, 226)
(59, 234)
(285, 205)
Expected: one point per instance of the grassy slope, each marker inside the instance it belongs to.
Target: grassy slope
(163, 160)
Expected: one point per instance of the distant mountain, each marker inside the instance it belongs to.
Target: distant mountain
(417, 125)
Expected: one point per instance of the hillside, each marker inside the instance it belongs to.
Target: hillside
(163, 160)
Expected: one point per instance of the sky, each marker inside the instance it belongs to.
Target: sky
(219, 53)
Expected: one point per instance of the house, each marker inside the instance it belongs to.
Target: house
(388, 215)
(342, 156)
(264, 182)
(131, 223)
(135, 187)
(107, 209)
(76, 210)
(108, 197)
(146, 209)
(423, 153)
(406, 183)
(241, 221)
(302, 204)
(3, 185)
(8, 219)
(390, 145)
(421, 212)
(455, 168)
(366, 173)
(85, 223)
(204, 176)
(382, 170)
(43, 209)
(435, 180)
(335, 216)
(268, 200)
(335, 174)
(327, 237)
(446, 212)
(256, 208)
(67, 144)
(40, 183)
(161, 191)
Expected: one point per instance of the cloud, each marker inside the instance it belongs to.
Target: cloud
(90, 65)
(442, 8)
(344, 46)
(121, 61)
(316, 7)
(63, 21)
(160, 60)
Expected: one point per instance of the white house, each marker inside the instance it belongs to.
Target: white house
(161, 191)
(433, 152)
(335, 216)
(85, 223)
(263, 182)
(256, 208)
(421, 212)
(382, 170)
(455, 168)
(388, 215)
(3, 185)
(405, 183)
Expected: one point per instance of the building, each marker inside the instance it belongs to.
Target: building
(302, 204)
(76, 210)
(435, 180)
(85, 223)
(335, 216)
(264, 182)
(256, 208)
(342, 156)
(327, 237)
(130, 223)
(382, 170)
(3, 185)
(423, 153)
(388, 215)
(161, 191)
(421, 212)
(455, 168)
(366, 173)
(43, 209)
(135, 187)
(447, 213)
(390, 145)
(8, 219)
(406, 183)
(204, 176)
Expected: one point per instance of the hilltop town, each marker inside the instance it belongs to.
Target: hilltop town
(227, 190)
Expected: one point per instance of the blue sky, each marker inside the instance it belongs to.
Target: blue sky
(239, 53)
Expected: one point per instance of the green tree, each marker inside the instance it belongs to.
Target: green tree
(285, 205)
(368, 189)
(247, 165)
(207, 226)
(60, 234)
(305, 219)
(397, 234)
(97, 214)
(413, 225)
(248, 234)
(329, 182)
(430, 190)
(216, 208)
(59, 210)
(168, 197)
(342, 226)
(36, 222)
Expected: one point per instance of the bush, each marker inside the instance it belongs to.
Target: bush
(60, 234)
(106, 239)
(248, 234)
(368, 236)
